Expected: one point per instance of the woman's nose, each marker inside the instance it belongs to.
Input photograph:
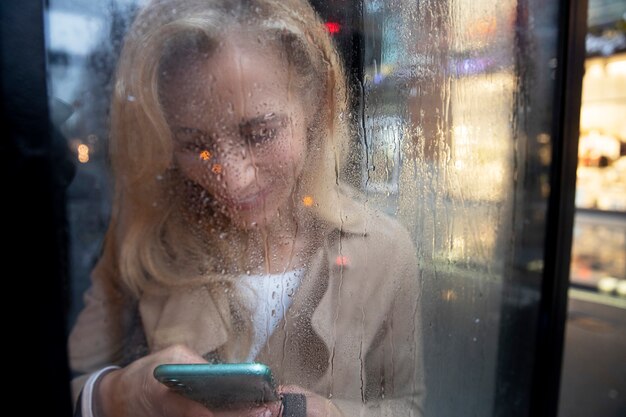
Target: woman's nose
(238, 171)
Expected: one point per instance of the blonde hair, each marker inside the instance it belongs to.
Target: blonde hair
(146, 236)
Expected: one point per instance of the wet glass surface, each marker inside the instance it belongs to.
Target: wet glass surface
(355, 199)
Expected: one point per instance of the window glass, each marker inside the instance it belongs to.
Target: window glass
(351, 193)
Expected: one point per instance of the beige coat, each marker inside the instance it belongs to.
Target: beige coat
(353, 332)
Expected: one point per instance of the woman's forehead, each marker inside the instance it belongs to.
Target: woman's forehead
(232, 73)
(236, 82)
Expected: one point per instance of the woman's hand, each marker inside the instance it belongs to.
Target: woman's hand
(316, 405)
(134, 392)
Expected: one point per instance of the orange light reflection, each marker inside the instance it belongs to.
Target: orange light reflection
(307, 201)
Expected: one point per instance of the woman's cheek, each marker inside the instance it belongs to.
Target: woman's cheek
(292, 154)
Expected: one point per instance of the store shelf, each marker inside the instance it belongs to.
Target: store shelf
(598, 298)
(605, 215)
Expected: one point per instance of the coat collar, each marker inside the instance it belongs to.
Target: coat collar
(346, 211)
(203, 319)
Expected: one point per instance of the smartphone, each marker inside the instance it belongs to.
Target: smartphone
(219, 386)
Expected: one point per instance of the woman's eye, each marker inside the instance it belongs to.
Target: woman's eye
(262, 134)
(190, 146)
(201, 149)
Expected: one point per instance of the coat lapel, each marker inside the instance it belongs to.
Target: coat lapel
(295, 352)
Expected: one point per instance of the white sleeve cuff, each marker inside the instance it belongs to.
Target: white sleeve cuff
(86, 405)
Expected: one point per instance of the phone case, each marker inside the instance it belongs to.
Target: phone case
(218, 386)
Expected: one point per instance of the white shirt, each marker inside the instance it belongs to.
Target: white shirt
(268, 297)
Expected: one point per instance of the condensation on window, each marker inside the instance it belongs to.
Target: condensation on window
(341, 191)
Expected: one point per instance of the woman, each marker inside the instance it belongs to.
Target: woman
(231, 238)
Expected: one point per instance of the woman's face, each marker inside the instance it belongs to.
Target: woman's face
(239, 129)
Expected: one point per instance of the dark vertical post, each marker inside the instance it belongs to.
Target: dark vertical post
(560, 218)
(33, 221)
